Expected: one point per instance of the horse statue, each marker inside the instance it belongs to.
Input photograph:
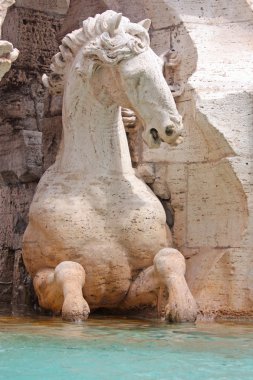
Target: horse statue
(97, 235)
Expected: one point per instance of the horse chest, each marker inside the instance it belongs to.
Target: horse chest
(136, 222)
(107, 210)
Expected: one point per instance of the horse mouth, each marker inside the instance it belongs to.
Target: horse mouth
(153, 139)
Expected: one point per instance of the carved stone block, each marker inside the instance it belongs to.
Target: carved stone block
(34, 35)
(20, 157)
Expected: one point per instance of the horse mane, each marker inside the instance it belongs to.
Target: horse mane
(107, 38)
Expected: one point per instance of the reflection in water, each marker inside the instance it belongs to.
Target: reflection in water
(122, 349)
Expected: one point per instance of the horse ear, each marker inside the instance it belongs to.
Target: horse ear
(118, 20)
(145, 23)
(114, 23)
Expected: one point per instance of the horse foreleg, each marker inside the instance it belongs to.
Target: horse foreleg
(169, 265)
(60, 290)
(143, 290)
(167, 272)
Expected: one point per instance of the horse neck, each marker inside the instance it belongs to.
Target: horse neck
(94, 140)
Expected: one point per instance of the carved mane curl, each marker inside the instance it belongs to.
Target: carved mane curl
(106, 38)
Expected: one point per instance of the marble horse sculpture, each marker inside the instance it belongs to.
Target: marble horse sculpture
(97, 236)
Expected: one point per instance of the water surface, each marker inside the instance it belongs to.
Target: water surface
(123, 349)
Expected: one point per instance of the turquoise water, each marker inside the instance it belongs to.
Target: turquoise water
(122, 349)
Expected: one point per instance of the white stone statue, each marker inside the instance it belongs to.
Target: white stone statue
(97, 236)
(7, 53)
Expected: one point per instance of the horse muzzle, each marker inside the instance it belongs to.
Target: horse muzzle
(154, 137)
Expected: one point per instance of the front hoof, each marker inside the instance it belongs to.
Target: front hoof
(75, 310)
(176, 314)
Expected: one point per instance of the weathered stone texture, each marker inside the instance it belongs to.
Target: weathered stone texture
(48, 6)
(20, 156)
(14, 205)
(215, 224)
(209, 176)
(95, 230)
(80, 10)
(34, 34)
(23, 107)
(6, 276)
(51, 131)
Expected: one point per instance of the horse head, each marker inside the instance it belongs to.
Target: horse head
(114, 55)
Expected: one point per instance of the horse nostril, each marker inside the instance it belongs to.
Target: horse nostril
(154, 133)
(169, 131)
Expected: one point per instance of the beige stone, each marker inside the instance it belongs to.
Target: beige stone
(250, 2)
(209, 176)
(207, 194)
(213, 204)
(97, 235)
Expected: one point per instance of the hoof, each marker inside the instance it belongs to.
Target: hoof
(75, 310)
(182, 314)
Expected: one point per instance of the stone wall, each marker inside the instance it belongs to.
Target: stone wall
(26, 111)
(210, 175)
(208, 178)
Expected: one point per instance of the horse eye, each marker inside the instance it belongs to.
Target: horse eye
(169, 131)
